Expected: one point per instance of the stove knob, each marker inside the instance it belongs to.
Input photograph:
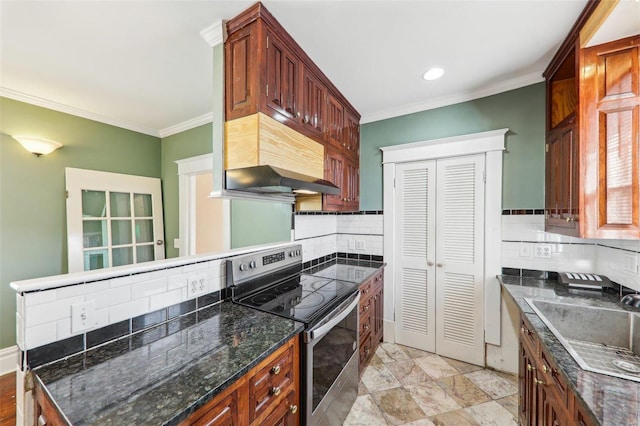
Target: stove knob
(292, 253)
(252, 264)
(243, 266)
(297, 252)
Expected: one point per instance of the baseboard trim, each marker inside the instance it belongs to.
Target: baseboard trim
(8, 359)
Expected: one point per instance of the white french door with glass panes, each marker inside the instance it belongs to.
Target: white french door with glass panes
(112, 219)
(440, 256)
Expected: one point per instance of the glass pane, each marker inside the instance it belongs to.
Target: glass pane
(144, 253)
(122, 256)
(94, 233)
(121, 232)
(144, 231)
(142, 205)
(95, 259)
(94, 203)
(120, 204)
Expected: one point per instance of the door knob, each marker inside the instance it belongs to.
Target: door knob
(439, 265)
(159, 242)
(429, 263)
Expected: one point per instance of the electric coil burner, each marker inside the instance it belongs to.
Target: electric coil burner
(273, 281)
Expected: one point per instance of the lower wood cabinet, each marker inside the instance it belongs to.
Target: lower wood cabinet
(544, 397)
(45, 413)
(269, 394)
(371, 316)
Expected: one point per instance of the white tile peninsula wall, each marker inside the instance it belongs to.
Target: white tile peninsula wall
(522, 233)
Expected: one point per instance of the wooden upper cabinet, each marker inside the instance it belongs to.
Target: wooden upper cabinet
(610, 140)
(352, 133)
(241, 76)
(334, 172)
(267, 71)
(282, 77)
(335, 122)
(314, 95)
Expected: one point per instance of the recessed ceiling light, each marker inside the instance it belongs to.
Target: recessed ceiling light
(433, 74)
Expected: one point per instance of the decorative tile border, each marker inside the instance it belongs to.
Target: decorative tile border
(173, 318)
(508, 212)
(340, 255)
(323, 213)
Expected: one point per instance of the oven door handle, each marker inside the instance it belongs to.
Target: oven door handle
(326, 327)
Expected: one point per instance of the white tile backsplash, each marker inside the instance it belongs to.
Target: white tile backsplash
(45, 316)
(568, 253)
(41, 334)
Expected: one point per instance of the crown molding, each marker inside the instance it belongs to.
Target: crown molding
(187, 125)
(214, 34)
(500, 87)
(45, 103)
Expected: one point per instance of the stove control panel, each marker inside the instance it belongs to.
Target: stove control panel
(257, 264)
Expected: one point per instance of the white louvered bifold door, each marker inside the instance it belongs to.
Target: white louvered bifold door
(415, 255)
(460, 259)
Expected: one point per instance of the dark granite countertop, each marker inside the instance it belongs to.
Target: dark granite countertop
(612, 401)
(163, 374)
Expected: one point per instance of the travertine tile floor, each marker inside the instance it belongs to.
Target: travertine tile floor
(406, 386)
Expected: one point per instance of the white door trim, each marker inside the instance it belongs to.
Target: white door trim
(8, 359)
(491, 143)
(188, 169)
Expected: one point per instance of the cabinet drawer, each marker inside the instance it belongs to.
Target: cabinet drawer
(366, 351)
(553, 378)
(528, 335)
(366, 324)
(377, 279)
(224, 412)
(365, 290)
(270, 382)
(285, 413)
(365, 306)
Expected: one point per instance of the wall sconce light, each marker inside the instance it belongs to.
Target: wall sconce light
(37, 147)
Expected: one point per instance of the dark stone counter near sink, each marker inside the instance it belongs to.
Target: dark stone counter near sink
(163, 374)
(611, 400)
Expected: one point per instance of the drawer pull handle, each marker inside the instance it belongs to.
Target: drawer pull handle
(276, 369)
(530, 367)
(293, 409)
(366, 326)
(275, 390)
(366, 308)
(522, 330)
(545, 369)
(538, 382)
(42, 420)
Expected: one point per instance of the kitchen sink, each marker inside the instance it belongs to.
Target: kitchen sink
(602, 340)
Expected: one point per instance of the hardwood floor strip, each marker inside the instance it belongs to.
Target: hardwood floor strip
(8, 399)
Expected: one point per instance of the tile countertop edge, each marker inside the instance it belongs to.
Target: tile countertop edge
(203, 398)
(55, 281)
(560, 355)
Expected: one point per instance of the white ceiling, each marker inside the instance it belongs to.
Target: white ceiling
(143, 65)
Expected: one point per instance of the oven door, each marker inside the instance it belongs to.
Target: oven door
(331, 376)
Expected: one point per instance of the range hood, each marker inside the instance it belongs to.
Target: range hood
(273, 180)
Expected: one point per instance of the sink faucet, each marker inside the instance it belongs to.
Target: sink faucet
(632, 300)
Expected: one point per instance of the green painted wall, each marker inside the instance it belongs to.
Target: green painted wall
(182, 145)
(521, 110)
(259, 222)
(32, 202)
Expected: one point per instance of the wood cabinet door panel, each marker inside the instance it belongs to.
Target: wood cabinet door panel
(550, 410)
(313, 104)
(352, 134)
(334, 173)
(335, 125)
(610, 141)
(526, 387)
(378, 314)
(281, 79)
(241, 76)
